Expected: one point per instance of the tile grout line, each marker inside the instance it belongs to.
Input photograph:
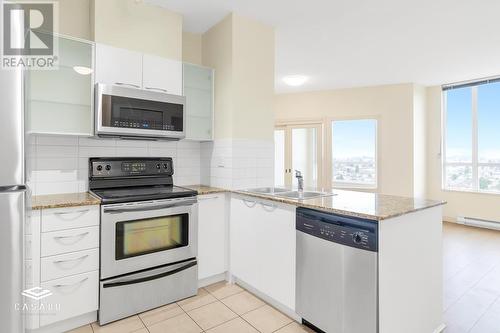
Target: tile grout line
(469, 289)
(483, 314)
(142, 321)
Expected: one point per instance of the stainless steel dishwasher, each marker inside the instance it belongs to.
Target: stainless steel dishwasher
(337, 269)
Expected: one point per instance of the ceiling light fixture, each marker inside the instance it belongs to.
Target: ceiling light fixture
(295, 80)
(82, 70)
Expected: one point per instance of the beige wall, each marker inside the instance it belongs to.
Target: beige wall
(478, 205)
(393, 107)
(242, 53)
(74, 18)
(191, 48)
(217, 47)
(137, 26)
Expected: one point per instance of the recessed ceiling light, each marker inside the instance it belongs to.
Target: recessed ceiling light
(82, 70)
(295, 80)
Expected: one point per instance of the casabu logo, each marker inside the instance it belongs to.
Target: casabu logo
(28, 39)
(37, 293)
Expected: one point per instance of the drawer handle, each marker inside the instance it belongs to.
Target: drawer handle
(268, 207)
(71, 260)
(248, 203)
(159, 89)
(77, 237)
(127, 84)
(70, 285)
(78, 212)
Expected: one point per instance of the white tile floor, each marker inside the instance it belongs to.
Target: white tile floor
(471, 297)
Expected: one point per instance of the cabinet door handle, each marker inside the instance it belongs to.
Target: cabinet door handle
(78, 212)
(71, 260)
(159, 89)
(76, 237)
(268, 207)
(248, 203)
(127, 84)
(70, 285)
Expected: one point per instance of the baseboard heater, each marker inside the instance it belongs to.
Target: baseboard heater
(481, 223)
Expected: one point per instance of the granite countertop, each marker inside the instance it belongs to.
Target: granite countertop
(204, 189)
(63, 200)
(352, 203)
(358, 204)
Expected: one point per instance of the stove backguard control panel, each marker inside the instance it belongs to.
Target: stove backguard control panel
(132, 167)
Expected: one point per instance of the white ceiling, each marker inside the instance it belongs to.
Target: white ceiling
(349, 43)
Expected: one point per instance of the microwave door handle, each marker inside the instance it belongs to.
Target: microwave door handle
(124, 209)
(124, 282)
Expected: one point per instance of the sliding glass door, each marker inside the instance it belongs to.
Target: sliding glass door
(298, 147)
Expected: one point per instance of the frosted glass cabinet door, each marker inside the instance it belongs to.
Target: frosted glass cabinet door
(198, 89)
(60, 101)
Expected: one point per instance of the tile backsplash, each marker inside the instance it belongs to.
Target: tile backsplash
(59, 164)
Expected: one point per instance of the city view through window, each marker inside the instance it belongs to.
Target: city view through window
(472, 138)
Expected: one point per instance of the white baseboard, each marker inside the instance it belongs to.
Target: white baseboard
(212, 279)
(68, 324)
(286, 310)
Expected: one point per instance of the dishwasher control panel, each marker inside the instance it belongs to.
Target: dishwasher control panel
(349, 231)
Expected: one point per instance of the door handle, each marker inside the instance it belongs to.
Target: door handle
(124, 209)
(127, 84)
(70, 260)
(248, 203)
(159, 89)
(76, 237)
(78, 212)
(149, 278)
(70, 285)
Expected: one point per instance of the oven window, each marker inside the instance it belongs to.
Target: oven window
(138, 237)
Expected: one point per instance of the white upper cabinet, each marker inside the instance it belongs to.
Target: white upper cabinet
(199, 92)
(160, 74)
(118, 66)
(60, 101)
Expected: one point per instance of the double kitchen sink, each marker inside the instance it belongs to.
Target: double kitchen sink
(288, 193)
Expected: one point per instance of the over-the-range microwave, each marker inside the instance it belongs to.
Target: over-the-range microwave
(135, 113)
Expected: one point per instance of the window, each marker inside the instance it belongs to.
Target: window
(471, 160)
(354, 153)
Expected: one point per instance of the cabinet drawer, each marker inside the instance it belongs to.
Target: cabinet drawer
(56, 267)
(67, 218)
(71, 296)
(72, 240)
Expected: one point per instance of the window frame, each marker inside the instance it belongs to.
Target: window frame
(329, 156)
(474, 164)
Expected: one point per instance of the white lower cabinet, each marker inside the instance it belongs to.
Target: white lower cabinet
(63, 251)
(262, 247)
(212, 235)
(71, 296)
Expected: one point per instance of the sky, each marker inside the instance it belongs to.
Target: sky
(459, 122)
(354, 138)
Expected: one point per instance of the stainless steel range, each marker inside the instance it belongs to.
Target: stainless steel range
(148, 235)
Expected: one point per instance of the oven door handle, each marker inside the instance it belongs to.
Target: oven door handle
(143, 208)
(149, 278)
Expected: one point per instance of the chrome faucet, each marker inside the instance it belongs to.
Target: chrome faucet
(300, 180)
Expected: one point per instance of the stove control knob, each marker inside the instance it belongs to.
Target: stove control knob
(108, 167)
(356, 238)
(158, 166)
(99, 168)
(165, 165)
